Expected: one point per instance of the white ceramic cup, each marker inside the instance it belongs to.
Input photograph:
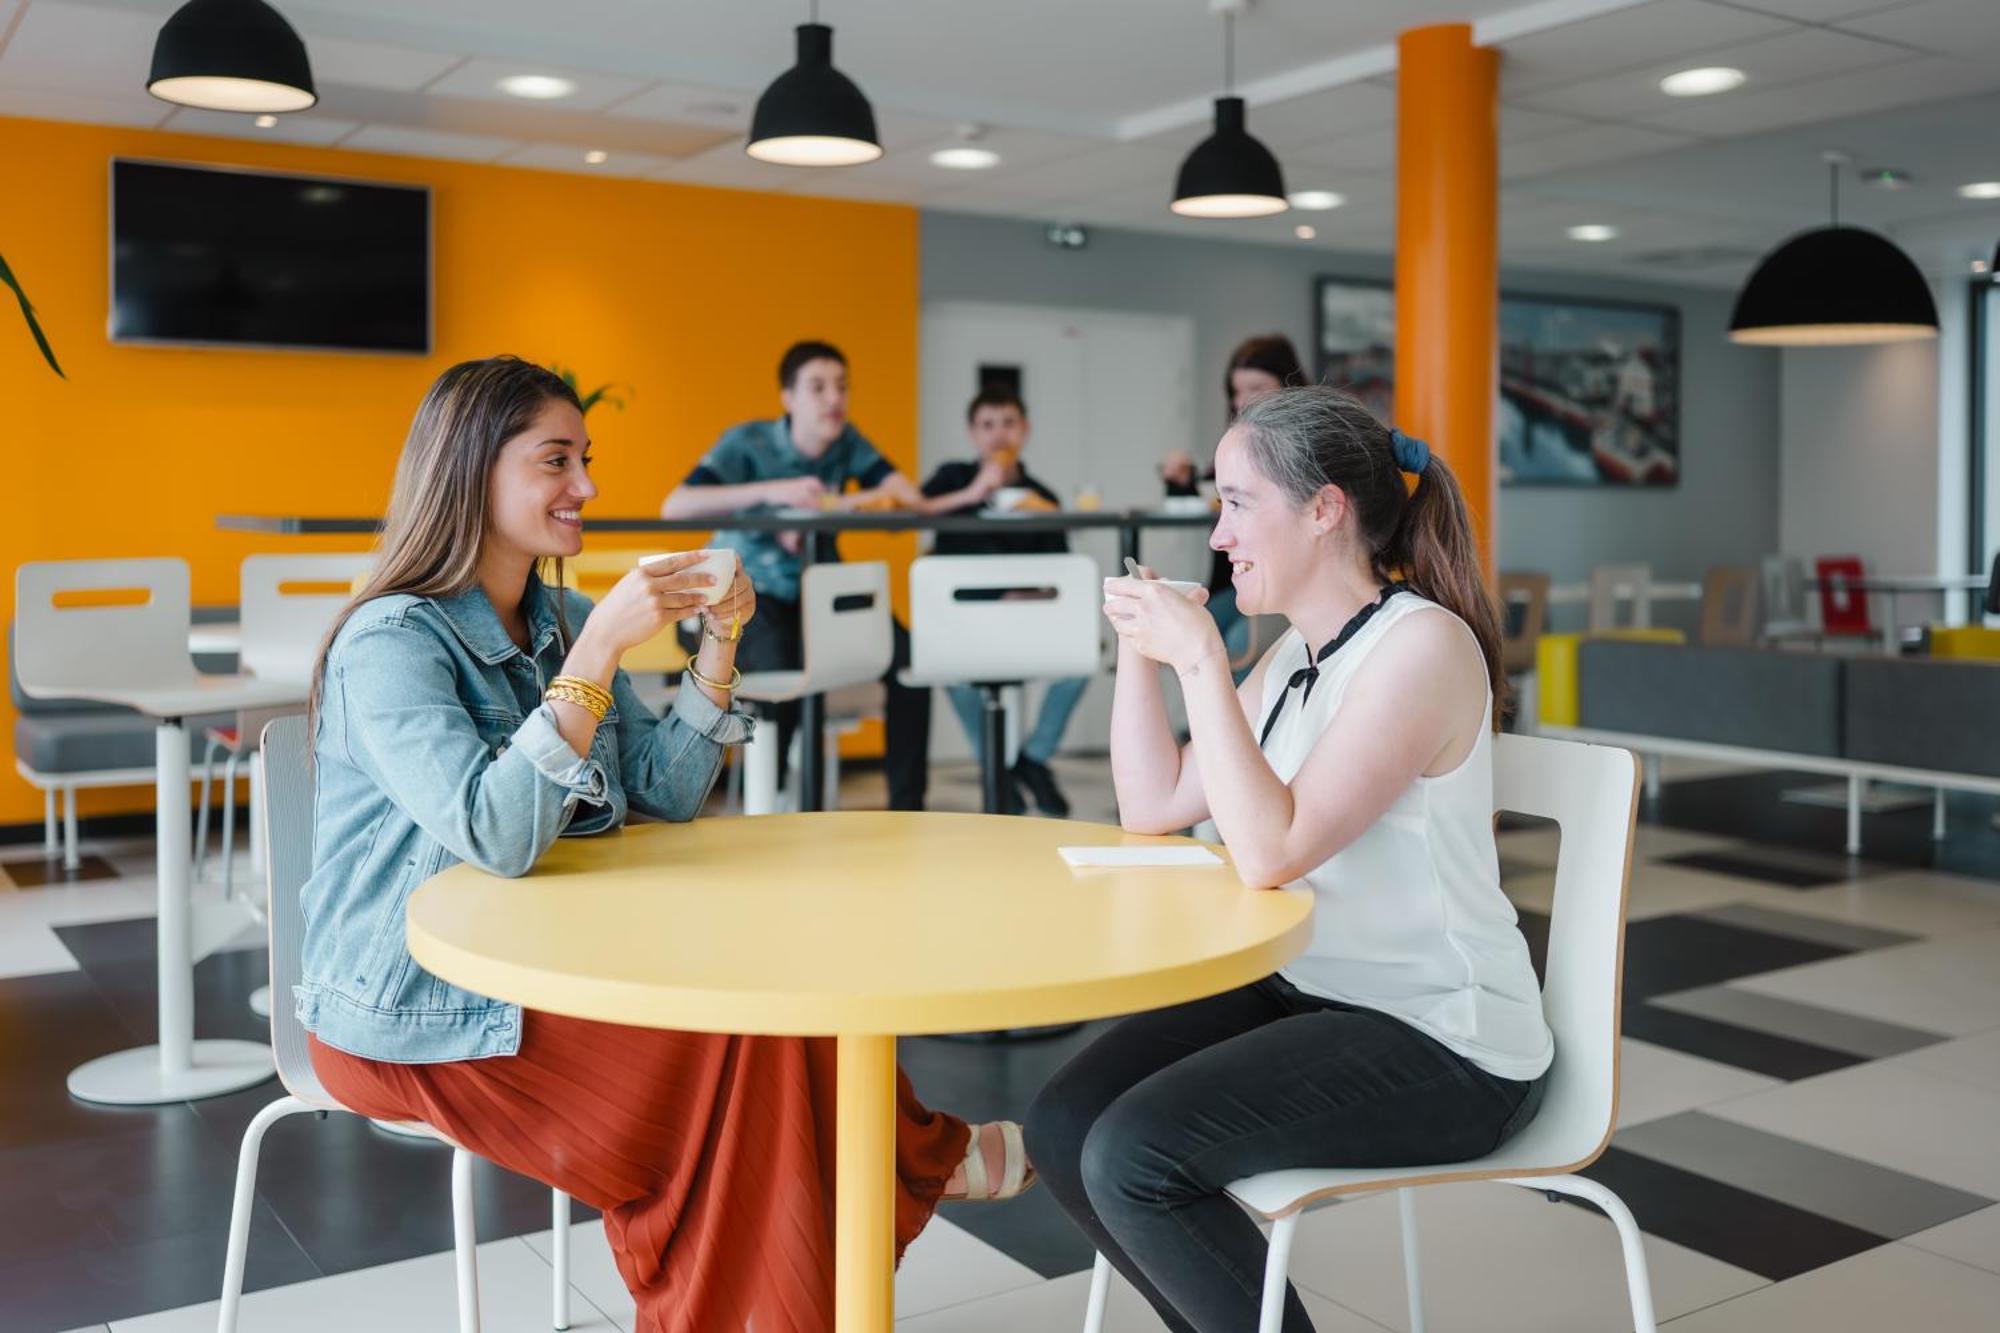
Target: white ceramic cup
(1008, 498)
(1185, 587)
(718, 563)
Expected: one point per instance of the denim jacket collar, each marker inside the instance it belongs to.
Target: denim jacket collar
(477, 625)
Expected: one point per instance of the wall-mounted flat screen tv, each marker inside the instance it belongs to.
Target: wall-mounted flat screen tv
(250, 258)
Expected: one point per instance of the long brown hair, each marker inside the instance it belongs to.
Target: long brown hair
(1307, 438)
(436, 526)
(1271, 353)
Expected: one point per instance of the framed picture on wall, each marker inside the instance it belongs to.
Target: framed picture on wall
(1589, 390)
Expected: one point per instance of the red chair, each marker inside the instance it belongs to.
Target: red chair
(1843, 606)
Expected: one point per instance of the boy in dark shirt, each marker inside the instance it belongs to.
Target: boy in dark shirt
(997, 422)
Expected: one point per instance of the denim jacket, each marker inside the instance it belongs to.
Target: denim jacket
(433, 746)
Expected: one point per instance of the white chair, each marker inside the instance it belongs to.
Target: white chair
(1591, 791)
(1781, 602)
(116, 631)
(285, 808)
(846, 640)
(1610, 585)
(994, 621)
(287, 604)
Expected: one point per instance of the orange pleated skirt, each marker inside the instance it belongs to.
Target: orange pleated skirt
(711, 1157)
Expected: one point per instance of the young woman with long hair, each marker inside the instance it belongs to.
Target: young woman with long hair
(1355, 763)
(465, 710)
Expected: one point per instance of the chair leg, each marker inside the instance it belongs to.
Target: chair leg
(1938, 829)
(1100, 1291)
(1406, 1204)
(1637, 1283)
(1271, 1317)
(760, 770)
(72, 858)
(239, 1211)
(559, 1255)
(465, 1240)
(201, 807)
(50, 847)
(229, 821)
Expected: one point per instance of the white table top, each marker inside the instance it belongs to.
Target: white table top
(189, 696)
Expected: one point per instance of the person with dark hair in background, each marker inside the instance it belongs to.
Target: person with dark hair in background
(997, 421)
(804, 460)
(1355, 764)
(1259, 367)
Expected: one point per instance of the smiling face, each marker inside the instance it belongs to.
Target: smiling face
(539, 485)
(816, 402)
(1275, 545)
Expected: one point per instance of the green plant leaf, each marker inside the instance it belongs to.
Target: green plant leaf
(28, 314)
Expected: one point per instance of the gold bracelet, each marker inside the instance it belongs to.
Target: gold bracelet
(735, 678)
(735, 629)
(588, 687)
(570, 695)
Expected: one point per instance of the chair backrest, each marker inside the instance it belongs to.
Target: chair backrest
(285, 812)
(592, 573)
(997, 618)
(1591, 792)
(1781, 588)
(845, 621)
(1728, 606)
(288, 604)
(1524, 618)
(1843, 608)
(124, 623)
(1610, 584)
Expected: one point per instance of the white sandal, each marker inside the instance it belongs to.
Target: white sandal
(1016, 1178)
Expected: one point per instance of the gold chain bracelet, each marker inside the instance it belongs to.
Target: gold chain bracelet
(585, 694)
(735, 678)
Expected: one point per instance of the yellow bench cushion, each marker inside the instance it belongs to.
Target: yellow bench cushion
(1964, 641)
(1555, 668)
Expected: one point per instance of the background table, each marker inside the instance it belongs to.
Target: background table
(858, 927)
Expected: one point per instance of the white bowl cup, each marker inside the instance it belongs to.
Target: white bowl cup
(719, 563)
(1185, 587)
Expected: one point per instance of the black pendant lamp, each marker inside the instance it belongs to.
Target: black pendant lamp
(231, 55)
(1229, 174)
(1834, 286)
(812, 115)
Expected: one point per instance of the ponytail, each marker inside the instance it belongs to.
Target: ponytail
(1434, 551)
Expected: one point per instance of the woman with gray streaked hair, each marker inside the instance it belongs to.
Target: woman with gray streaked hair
(1355, 764)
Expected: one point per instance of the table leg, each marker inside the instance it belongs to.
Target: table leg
(817, 548)
(1128, 545)
(864, 1205)
(179, 1068)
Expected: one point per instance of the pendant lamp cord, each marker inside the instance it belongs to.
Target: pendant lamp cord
(813, 8)
(1228, 54)
(1833, 191)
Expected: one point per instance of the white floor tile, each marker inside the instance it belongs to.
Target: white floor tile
(413, 1296)
(1974, 1060)
(1949, 984)
(30, 950)
(1057, 1307)
(1894, 1287)
(1973, 1239)
(946, 1266)
(1497, 1258)
(1892, 1115)
(1656, 840)
(1658, 889)
(1655, 1082)
(74, 904)
(1920, 902)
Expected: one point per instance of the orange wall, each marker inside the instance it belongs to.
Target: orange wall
(688, 294)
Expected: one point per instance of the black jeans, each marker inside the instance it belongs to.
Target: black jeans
(1137, 1136)
(774, 641)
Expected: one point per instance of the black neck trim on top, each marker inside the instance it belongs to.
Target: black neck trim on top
(1308, 675)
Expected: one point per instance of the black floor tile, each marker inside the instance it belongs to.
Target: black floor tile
(1675, 953)
(1725, 1043)
(1757, 868)
(39, 872)
(1768, 1238)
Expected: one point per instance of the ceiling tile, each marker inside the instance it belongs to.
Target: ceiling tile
(132, 108)
(1820, 11)
(564, 157)
(689, 104)
(1373, 151)
(81, 49)
(1772, 62)
(728, 166)
(1519, 124)
(1109, 168)
(479, 80)
(1601, 143)
(300, 128)
(1643, 34)
(430, 143)
(1968, 29)
(367, 65)
(1916, 80)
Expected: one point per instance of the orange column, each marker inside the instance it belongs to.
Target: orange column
(1447, 254)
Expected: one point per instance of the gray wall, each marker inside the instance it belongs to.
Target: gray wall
(1724, 511)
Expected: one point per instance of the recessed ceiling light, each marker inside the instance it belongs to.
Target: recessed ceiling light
(1704, 82)
(536, 87)
(1316, 200)
(266, 122)
(1980, 190)
(1305, 232)
(965, 159)
(1886, 178)
(1593, 231)
(597, 157)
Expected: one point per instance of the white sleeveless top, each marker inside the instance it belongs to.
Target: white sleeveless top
(1409, 918)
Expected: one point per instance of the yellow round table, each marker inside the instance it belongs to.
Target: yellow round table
(860, 927)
